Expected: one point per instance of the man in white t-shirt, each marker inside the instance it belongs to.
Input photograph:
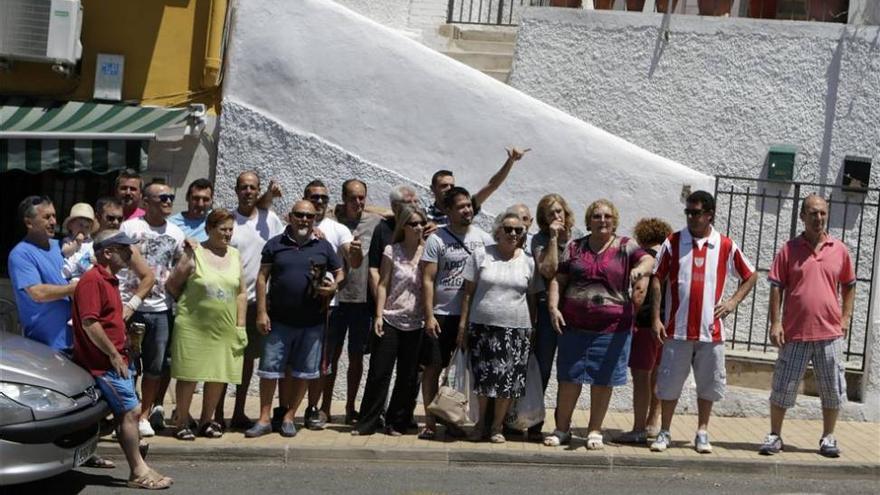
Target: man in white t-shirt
(253, 227)
(160, 244)
(350, 250)
(443, 261)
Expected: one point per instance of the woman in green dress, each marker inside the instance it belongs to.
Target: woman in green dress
(209, 336)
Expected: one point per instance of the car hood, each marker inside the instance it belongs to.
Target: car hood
(30, 362)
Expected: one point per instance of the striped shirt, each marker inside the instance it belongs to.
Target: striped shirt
(696, 270)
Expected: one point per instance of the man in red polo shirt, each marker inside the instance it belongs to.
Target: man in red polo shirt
(805, 278)
(100, 346)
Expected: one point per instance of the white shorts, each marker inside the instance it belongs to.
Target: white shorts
(676, 361)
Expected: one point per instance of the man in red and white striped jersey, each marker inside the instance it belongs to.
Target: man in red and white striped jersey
(696, 261)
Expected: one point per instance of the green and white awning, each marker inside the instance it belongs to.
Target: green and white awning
(76, 136)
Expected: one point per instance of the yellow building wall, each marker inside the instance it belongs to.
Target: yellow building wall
(164, 43)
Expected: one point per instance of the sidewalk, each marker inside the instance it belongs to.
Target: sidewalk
(735, 442)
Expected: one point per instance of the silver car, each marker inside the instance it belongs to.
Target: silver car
(50, 410)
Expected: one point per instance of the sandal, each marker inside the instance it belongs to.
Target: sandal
(211, 429)
(185, 434)
(595, 441)
(427, 434)
(151, 481)
(497, 438)
(99, 462)
(557, 438)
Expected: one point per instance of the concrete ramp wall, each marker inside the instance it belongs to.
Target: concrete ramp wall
(320, 71)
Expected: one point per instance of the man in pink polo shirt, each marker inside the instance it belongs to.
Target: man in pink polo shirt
(805, 278)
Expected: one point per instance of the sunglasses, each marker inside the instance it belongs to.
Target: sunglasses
(693, 212)
(165, 198)
(417, 223)
(113, 218)
(513, 230)
(304, 214)
(315, 198)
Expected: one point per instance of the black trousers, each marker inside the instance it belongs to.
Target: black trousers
(400, 347)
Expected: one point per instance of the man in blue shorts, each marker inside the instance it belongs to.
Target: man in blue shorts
(302, 273)
(100, 345)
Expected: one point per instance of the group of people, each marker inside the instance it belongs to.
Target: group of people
(209, 290)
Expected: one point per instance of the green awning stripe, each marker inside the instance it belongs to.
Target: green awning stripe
(4, 155)
(82, 109)
(15, 118)
(101, 119)
(33, 155)
(160, 121)
(66, 156)
(47, 117)
(133, 154)
(100, 160)
(133, 118)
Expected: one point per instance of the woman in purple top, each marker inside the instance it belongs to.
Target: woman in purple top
(399, 326)
(591, 309)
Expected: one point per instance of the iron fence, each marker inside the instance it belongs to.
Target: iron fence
(489, 12)
(760, 215)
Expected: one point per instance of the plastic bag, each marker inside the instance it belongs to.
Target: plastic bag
(528, 410)
(462, 379)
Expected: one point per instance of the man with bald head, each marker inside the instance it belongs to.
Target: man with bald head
(812, 279)
(301, 273)
(160, 244)
(253, 227)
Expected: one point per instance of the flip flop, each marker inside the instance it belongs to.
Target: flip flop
(99, 462)
(151, 481)
(427, 434)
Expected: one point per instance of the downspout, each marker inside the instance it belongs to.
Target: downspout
(214, 45)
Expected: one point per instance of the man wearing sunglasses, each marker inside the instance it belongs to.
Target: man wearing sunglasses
(350, 250)
(42, 295)
(161, 244)
(697, 261)
(301, 272)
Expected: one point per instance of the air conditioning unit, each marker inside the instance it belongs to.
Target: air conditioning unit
(41, 31)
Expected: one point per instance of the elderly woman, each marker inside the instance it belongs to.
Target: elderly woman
(645, 355)
(496, 320)
(556, 228)
(399, 327)
(209, 338)
(591, 309)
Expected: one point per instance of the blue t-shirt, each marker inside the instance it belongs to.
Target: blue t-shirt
(44, 322)
(194, 229)
(293, 268)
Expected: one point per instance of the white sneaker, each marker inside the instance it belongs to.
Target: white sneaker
(145, 429)
(662, 442)
(701, 442)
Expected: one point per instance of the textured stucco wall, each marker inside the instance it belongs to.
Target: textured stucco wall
(715, 95)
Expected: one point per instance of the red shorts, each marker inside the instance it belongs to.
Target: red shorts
(645, 353)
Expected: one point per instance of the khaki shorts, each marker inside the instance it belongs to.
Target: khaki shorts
(679, 357)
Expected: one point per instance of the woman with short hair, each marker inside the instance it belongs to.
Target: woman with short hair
(496, 320)
(591, 309)
(209, 337)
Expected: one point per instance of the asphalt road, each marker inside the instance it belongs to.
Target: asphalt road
(214, 478)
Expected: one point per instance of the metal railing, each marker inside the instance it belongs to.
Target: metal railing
(489, 12)
(760, 215)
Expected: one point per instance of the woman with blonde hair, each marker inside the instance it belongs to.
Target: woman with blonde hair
(591, 309)
(399, 327)
(556, 228)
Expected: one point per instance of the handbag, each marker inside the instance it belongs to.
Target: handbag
(450, 404)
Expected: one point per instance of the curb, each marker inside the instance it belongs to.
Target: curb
(463, 457)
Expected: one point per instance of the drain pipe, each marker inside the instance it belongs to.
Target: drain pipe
(214, 45)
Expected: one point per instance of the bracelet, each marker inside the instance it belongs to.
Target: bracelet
(134, 303)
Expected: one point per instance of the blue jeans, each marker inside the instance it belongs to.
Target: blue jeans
(155, 354)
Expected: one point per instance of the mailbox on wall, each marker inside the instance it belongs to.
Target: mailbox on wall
(780, 162)
(856, 173)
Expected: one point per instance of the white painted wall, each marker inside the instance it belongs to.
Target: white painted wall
(417, 19)
(392, 102)
(715, 96)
